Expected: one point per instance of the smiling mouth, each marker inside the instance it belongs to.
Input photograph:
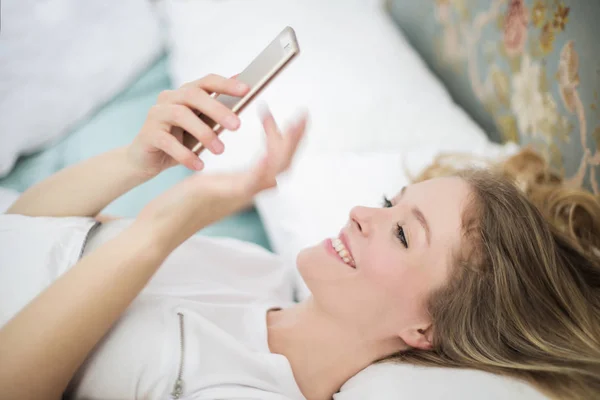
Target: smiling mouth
(337, 248)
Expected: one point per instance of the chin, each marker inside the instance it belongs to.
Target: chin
(303, 261)
(312, 264)
(319, 270)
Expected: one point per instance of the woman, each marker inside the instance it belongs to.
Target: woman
(480, 277)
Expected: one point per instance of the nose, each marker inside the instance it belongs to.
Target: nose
(360, 217)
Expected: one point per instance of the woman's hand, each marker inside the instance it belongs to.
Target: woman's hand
(159, 146)
(202, 199)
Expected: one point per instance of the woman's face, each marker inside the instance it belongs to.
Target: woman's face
(397, 256)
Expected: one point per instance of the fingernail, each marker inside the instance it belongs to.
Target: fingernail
(242, 87)
(198, 165)
(217, 146)
(232, 122)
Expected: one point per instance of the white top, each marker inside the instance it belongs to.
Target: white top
(203, 315)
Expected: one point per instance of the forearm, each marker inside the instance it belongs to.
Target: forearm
(83, 189)
(42, 346)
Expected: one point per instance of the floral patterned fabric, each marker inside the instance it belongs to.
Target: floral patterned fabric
(526, 70)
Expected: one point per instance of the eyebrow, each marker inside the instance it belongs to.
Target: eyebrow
(418, 214)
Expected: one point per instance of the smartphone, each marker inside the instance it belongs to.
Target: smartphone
(257, 75)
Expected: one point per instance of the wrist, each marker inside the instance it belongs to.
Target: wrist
(135, 164)
(173, 221)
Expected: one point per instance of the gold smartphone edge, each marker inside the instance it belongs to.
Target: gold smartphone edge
(218, 128)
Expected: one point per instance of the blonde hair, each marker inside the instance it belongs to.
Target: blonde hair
(524, 296)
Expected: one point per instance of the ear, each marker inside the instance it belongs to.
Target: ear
(419, 338)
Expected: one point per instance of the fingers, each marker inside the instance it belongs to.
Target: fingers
(194, 96)
(269, 124)
(218, 84)
(181, 116)
(176, 112)
(280, 149)
(272, 132)
(197, 99)
(171, 146)
(295, 133)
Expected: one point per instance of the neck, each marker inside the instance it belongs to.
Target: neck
(323, 353)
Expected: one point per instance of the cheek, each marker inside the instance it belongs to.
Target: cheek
(399, 280)
(386, 290)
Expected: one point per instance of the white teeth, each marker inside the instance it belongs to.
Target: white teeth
(342, 251)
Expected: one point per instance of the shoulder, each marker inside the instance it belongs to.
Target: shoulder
(43, 233)
(45, 242)
(35, 251)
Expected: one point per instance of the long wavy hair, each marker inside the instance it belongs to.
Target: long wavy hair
(523, 299)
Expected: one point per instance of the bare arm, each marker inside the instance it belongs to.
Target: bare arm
(45, 343)
(83, 189)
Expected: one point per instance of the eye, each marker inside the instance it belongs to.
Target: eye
(400, 234)
(386, 203)
(399, 231)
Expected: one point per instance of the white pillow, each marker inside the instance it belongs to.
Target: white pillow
(312, 202)
(404, 381)
(364, 86)
(61, 60)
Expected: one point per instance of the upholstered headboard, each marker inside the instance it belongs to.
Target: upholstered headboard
(526, 70)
